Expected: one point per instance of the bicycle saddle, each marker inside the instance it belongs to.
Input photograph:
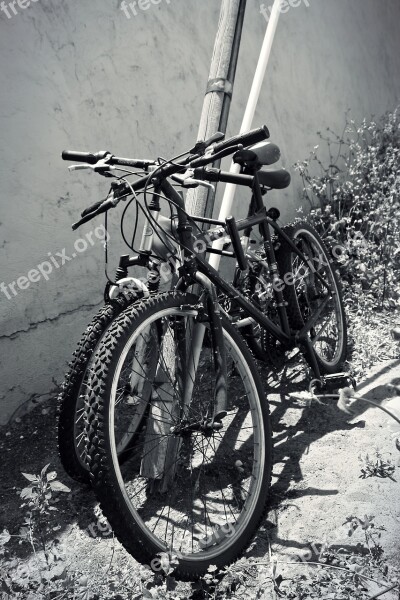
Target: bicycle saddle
(263, 153)
(277, 179)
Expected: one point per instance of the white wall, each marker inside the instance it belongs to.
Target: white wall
(81, 75)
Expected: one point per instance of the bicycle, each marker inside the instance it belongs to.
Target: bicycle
(195, 434)
(118, 295)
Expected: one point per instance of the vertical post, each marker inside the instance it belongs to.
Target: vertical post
(218, 96)
(159, 449)
(226, 206)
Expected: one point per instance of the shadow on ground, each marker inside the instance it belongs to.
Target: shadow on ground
(30, 443)
(296, 428)
(27, 445)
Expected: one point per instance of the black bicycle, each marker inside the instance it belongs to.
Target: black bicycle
(120, 293)
(177, 428)
(153, 254)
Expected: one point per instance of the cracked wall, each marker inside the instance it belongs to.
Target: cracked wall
(81, 75)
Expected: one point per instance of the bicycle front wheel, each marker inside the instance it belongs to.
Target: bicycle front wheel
(191, 488)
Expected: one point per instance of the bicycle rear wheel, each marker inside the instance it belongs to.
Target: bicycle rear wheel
(71, 400)
(307, 295)
(195, 491)
(257, 286)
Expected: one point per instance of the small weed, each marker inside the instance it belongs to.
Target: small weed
(46, 577)
(372, 534)
(340, 574)
(376, 466)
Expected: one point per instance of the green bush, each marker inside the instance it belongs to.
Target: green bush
(354, 201)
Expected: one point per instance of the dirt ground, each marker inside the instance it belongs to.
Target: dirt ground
(319, 456)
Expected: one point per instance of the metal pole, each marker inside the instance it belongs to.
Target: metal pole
(159, 449)
(227, 200)
(217, 101)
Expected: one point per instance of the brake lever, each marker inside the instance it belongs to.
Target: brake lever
(202, 145)
(210, 157)
(80, 167)
(102, 167)
(187, 181)
(196, 182)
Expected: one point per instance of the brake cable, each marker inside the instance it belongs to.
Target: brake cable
(106, 250)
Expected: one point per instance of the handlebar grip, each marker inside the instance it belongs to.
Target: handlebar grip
(206, 160)
(86, 157)
(84, 219)
(92, 159)
(246, 139)
(92, 208)
(104, 207)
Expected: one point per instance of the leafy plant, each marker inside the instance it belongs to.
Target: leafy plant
(162, 585)
(376, 466)
(354, 201)
(372, 534)
(352, 186)
(343, 573)
(39, 496)
(48, 575)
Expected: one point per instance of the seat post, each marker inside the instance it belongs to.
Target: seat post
(257, 194)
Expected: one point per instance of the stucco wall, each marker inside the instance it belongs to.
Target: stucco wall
(79, 74)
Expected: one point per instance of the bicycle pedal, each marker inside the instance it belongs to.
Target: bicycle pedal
(329, 384)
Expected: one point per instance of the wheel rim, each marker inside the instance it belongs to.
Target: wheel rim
(327, 334)
(218, 477)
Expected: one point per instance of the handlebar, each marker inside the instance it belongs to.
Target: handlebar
(216, 175)
(92, 159)
(104, 207)
(118, 192)
(195, 159)
(245, 139)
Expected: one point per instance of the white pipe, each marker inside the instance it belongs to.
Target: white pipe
(227, 200)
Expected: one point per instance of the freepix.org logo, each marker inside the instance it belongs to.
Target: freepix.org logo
(54, 261)
(283, 6)
(133, 8)
(10, 8)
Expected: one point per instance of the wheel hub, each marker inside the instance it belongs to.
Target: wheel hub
(207, 427)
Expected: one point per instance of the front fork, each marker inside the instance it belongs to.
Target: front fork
(219, 355)
(213, 316)
(212, 311)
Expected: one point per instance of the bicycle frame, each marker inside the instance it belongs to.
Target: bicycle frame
(195, 263)
(143, 258)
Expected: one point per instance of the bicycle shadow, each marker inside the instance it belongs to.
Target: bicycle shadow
(293, 440)
(291, 443)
